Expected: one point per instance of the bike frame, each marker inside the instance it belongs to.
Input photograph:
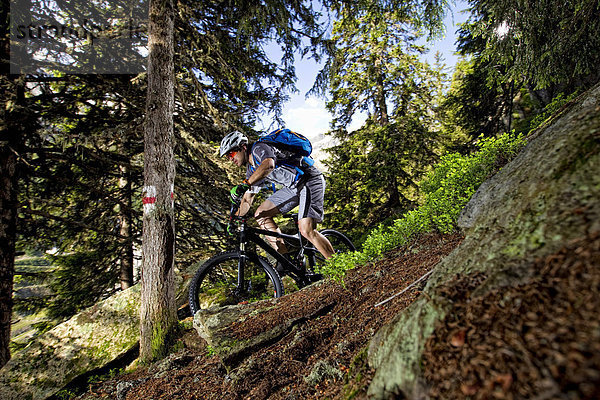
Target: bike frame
(219, 271)
(251, 234)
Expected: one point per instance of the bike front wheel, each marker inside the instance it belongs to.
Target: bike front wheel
(228, 278)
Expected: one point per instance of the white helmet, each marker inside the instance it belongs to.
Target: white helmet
(231, 141)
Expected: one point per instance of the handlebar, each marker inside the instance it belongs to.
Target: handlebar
(233, 217)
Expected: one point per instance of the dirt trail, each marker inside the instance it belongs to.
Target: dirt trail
(323, 357)
(537, 340)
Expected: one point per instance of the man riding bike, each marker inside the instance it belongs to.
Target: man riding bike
(303, 186)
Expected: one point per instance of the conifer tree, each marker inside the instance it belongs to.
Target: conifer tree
(16, 122)
(518, 56)
(545, 42)
(80, 173)
(376, 70)
(80, 170)
(158, 314)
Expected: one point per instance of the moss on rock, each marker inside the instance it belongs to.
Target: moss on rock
(87, 341)
(547, 196)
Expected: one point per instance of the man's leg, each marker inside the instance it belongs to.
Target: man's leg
(307, 229)
(310, 199)
(264, 216)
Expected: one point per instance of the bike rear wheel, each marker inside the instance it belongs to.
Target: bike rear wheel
(216, 281)
(339, 241)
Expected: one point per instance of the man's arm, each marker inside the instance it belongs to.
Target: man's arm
(264, 169)
(246, 203)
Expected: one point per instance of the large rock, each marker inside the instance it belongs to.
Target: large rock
(213, 325)
(90, 340)
(87, 341)
(547, 196)
(235, 332)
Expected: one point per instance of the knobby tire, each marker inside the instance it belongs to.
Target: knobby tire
(339, 241)
(215, 282)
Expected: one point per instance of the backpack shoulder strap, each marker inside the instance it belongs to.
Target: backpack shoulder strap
(252, 167)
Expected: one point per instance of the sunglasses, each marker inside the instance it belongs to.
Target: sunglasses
(232, 154)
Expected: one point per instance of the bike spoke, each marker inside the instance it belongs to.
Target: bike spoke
(216, 283)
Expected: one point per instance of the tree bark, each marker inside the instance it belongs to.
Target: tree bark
(8, 184)
(394, 198)
(381, 105)
(8, 223)
(158, 309)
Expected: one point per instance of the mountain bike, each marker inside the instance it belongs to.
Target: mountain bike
(243, 275)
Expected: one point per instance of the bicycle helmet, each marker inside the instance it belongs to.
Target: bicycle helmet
(231, 141)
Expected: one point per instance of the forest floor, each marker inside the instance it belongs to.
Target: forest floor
(326, 357)
(332, 347)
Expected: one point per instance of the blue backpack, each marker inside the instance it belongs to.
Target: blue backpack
(286, 139)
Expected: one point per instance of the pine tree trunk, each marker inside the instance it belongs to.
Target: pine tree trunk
(394, 193)
(125, 217)
(8, 223)
(158, 309)
(380, 101)
(8, 185)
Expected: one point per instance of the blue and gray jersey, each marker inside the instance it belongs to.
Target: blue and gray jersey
(287, 172)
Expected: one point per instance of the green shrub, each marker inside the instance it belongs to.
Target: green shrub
(446, 190)
(557, 102)
(450, 186)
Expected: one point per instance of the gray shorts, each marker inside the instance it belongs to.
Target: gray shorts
(308, 195)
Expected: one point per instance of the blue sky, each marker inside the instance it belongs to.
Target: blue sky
(309, 116)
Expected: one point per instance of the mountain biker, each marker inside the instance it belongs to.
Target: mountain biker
(264, 162)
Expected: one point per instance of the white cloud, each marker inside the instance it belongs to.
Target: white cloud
(309, 118)
(502, 30)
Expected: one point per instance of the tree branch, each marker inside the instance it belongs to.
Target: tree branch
(80, 224)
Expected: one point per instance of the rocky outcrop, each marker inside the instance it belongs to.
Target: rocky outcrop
(213, 325)
(544, 198)
(217, 325)
(87, 341)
